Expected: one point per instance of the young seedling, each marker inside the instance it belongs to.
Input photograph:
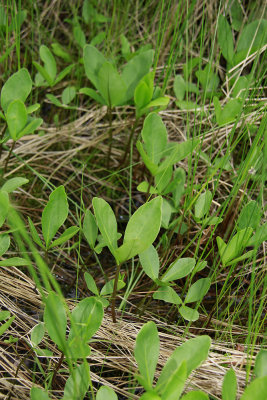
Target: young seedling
(141, 231)
(252, 38)
(67, 96)
(14, 93)
(159, 155)
(146, 98)
(5, 315)
(47, 74)
(248, 222)
(202, 208)
(178, 367)
(53, 217)
(113, 89)
(179, 269)
(106, 290)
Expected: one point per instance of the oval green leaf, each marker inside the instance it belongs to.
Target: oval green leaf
(54, 214)
(179, 269)
(146, 351)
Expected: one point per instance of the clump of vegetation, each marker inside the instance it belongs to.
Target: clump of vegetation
(132, 214)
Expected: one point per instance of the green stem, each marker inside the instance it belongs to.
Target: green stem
(8, 157)
(128, 144)
(114, 294)
(141, 305)
(110, 135)
(56, 369)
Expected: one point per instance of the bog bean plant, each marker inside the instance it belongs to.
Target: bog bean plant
(133, 156)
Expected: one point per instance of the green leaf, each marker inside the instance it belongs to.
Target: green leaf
(90, 229)
(135, 70)
(53, 100)
(189, 66)
(229, 386)
(30, 127)
(91, 283)
(163, 178)
(37, 333)
(149, 164)
(150, 396)
(248, 254)
(68, 94)
(179, 87)
(144, 90)
(4, 206)
(193, 351)
(34, 233)
(146, 351)
(198, 290)
(167, 211)
(55, 320)
(240, 87)
(99, 38)
(195, 395)
(236, 14)
(4, 327)
(259, 237)
(86, 319)
(167, 294)
(256, 390)
(141, 230)
(79, 35)
(254, 35)
(200, 265)
(38, 394)
(14, 183)
(225, 39)
(187, 105)
(179, 269)
(93, 61)
(106, 393)
(189, 313)
(111, 85)
(125, 47)
(4, 315)
(260, 368)
(175, 385)
(49, 62)
(16, 117)
(146, 188)
(208, 79)
(60, 51)
(160, 102)
(66, 235)
(229, 113)
(43, 352)
(177, 186)
(150, 262)
(54, 214)
(43, 73)
(221, 245)
(109, 286)
(14, 262)
(4, 243)
(78, 383)
(236, 245)
(178, 151)
(92, 93)
(250, 216)
(203, 204)
(63, 73)
(17, 87)
(106, 222)
(154, 134)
